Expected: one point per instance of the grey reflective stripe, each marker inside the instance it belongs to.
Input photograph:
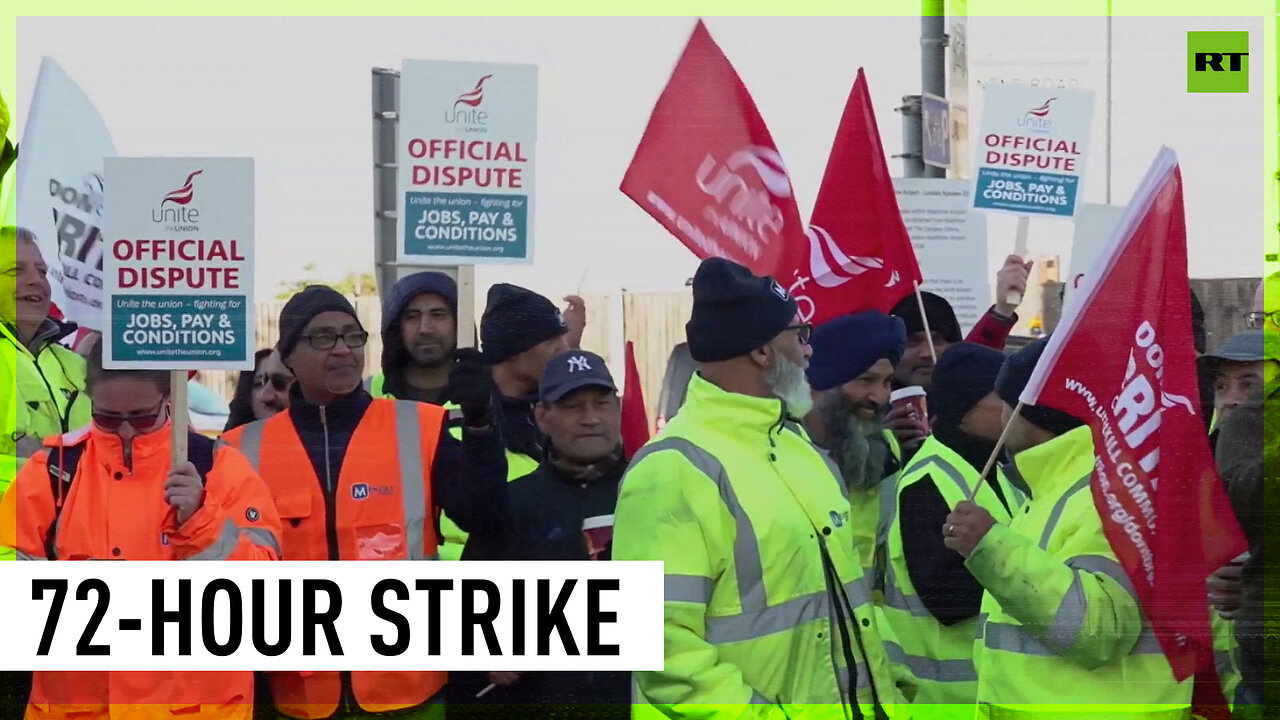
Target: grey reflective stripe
(758, 699)
(686, 588)
(413, 493)
(1064, 629)
(251, 443)
(778, 618)
(368, 384)
(947, 469)
(1224, 662)
(24, 556)
(1058, 507)
(888, 508)
(1104, 566)
(263, 537)
(748, 568)
(1014, 638)
(454, 415)
(925, 668)
(221, 548)
(894, 597)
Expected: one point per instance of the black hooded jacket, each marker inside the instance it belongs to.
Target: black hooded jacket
(393, 350)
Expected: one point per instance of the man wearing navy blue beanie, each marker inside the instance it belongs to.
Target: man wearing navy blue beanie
(850, 373)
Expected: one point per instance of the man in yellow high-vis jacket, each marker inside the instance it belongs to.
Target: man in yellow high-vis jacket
(47, 378)
(850, 373)
(767, 606)
(931, 601)
(1062, 634)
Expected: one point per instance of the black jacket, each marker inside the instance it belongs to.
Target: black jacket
(545, 522)
(468, 477)
(515, 417)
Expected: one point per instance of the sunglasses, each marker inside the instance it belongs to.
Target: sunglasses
(1255, 320)
(279, 383)
(143, 421)
(803, 332)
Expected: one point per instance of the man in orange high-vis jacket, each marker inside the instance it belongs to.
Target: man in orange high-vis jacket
(358, 478)
(109, 492)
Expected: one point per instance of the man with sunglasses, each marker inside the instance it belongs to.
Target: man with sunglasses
(767, 608)
(362, 478)
(271, 386)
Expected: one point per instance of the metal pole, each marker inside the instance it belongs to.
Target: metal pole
(933, 59)
(386, 89)
(1108, 102)
(912, 137)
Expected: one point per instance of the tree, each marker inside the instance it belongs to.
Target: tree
(357, 284)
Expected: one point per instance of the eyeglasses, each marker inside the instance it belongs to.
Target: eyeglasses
(803, 331)
(279, 383)
(1255, 320)
(144, 421)
(327, 340)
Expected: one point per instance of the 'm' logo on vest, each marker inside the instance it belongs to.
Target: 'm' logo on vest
(360, 491)
(251, 514)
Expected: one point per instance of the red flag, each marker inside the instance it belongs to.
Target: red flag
(859, 254)
(707, 168)
(635, 421)
(1124, 362)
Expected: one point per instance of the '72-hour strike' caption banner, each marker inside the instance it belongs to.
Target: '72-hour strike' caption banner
(467, 134)
(179, 263)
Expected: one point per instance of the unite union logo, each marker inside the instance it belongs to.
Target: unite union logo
(465, 114)
(1037, 119)
(184, 217)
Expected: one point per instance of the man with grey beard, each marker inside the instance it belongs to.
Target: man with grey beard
(850, 374)
(767, 602)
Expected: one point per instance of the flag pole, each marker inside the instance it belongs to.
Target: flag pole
(995, 452)
(928, 334)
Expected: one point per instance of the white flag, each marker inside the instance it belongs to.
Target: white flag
(60, 191)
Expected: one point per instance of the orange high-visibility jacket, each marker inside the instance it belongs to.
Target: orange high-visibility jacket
(115, 510)
(381, 509)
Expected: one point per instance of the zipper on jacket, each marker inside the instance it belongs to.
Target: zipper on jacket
(347, 696)
(64, 418)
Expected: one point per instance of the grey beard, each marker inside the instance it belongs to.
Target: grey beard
(856, 447)
(788, 382)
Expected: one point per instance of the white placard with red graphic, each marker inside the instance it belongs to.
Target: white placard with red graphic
(465, 162)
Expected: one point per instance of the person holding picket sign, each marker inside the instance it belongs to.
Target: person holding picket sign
(213, 507)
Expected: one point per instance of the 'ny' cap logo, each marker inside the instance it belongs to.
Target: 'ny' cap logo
(578, 363)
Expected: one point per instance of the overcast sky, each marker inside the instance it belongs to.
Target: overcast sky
(295, 95)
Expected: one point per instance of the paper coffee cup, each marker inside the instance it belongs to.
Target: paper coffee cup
(915, 400)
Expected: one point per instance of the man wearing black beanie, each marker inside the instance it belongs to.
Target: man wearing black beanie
(359, 478)
(931, 600)
(748, 516)
(1062, 619)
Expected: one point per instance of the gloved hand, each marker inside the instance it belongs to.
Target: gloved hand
(471, 387)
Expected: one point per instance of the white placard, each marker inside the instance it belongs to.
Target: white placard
(466, 162)
(950, 241)
(1032, 148)
(395, 615)
(1094, 224)
(179, 264)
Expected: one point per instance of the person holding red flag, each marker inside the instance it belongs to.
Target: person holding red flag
(1087, 602)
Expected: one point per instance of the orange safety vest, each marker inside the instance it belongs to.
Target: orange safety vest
(115, 510)
(382, 510)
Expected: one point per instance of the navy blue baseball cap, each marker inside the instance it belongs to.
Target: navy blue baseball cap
(572, 371)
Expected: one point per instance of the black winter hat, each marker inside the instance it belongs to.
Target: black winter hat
(734, 311)
(942, 318)
(1013, 379)
(515, 320)
(965, 373)
(303, 307)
